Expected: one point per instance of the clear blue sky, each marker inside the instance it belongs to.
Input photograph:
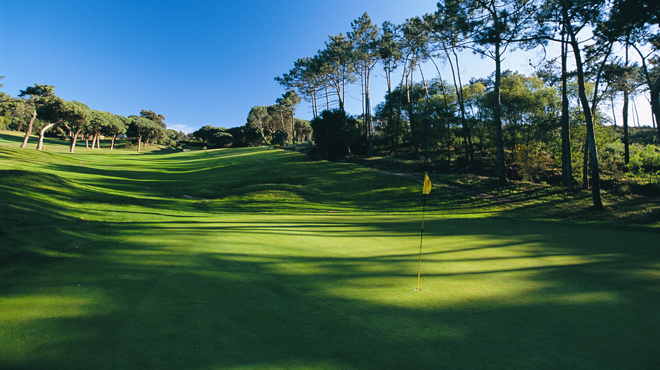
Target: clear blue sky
(197, 62)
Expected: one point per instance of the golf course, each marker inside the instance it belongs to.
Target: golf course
(259, 258)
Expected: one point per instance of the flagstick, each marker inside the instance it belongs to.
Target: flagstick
(419, 270)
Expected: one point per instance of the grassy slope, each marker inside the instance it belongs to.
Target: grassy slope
(255, 272)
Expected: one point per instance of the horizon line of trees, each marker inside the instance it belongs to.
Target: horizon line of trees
(37, 108)
(556, 107)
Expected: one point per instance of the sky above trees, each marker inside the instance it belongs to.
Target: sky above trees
(197, 63)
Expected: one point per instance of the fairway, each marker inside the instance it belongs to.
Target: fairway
(264, 259)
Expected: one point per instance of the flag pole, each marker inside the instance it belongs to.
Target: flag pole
(421, 240)
(425, 190)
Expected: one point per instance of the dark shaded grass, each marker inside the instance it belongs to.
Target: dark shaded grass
(157, 305)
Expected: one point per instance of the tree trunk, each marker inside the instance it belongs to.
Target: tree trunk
(74, 137)
(585, 165)
(411, 115)
(428, 118)
(467, 135)
(315, 105)
(400, 133)
(364, 114)
(626, 137)
(567, 168)
(339, 97)
(591, 139)
(390, 115)
(40, 146)
(655, 103)
(368, 113)
(293, 125)
(139, 142)
(28, 132)
(497, 110)
(654, 91)
(112, 143)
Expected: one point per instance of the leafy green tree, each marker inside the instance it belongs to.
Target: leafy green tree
(53, 111)
(36, 96)
(115, 125)
(577, 15)
(96, 124)
(143, 128)
(244, 136)
(4, 120)
(413, 42)
(303, 130)
(390, 54)
(449, 25)
(214, 137)
(306, 78)
(280, 137)
(259, 120)
(290, 101)
(338, 65)
(206, 132)
(18, 112)
(636, 22)
(155, 117)
(624, 78)
(76, 117)
(221, 139)
(365, 36)
(498, 25)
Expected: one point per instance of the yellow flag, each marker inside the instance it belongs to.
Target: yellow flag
(427, 184)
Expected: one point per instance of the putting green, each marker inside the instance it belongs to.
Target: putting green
(96, 275)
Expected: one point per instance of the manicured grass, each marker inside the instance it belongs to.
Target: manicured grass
(275, 261)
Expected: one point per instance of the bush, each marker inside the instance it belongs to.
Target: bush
(336, 135)
(4, 122)
(245, 136)
(220, 139)
(530, 161)
(644, 158)
(279, 138)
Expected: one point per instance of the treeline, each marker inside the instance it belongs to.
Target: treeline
(276, 124)
(38, 109)
(556, 114)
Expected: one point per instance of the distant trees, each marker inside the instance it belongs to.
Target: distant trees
(289, 102)
(275, 124)
(77, 117)
(155, 117)
(115, 125)
(214, 137)
(38, 108)
(244, 136)
(143, 130)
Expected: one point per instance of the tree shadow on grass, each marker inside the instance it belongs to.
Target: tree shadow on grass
(274, 192)
(495, 294)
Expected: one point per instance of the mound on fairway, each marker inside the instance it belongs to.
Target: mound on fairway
(262, 259)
